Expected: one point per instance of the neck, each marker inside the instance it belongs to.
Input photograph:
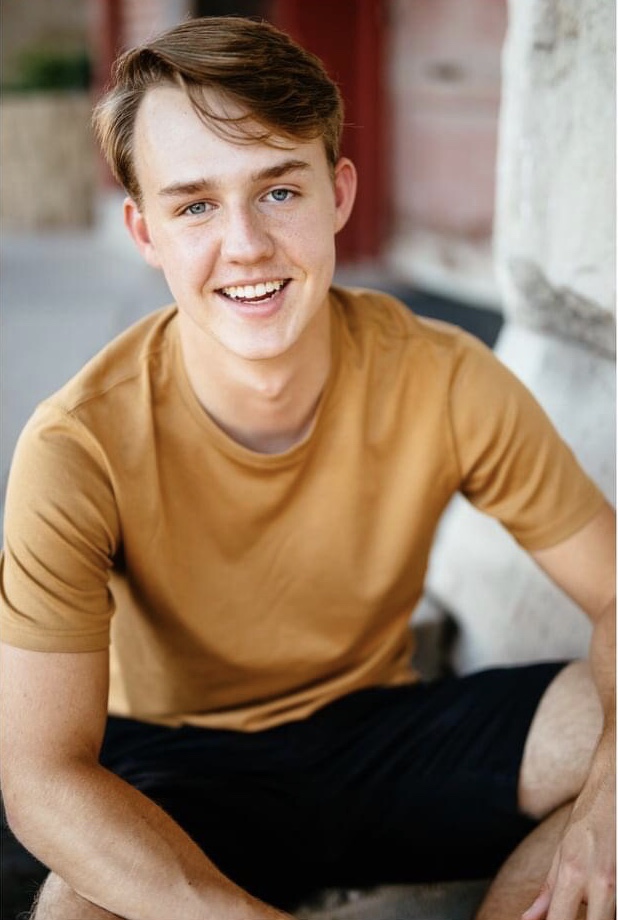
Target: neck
(266, 405)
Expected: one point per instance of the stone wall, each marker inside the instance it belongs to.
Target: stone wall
(46, 149)
(48, 161)
(61, 24)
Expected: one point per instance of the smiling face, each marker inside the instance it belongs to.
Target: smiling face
(244, 232)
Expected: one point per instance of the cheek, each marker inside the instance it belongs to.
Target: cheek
(186, 260)
(320, 248)
(311, 235)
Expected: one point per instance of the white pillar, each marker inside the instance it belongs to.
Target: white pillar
(554, 252)
(555, 208)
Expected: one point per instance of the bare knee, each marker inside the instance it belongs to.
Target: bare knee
(57, 901)
(561, 742)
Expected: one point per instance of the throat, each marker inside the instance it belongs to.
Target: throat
(268, 405)
(270, 442)
(273, 417)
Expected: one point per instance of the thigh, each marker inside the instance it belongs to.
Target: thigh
(387, 784)
(422, 781)
(561, 742)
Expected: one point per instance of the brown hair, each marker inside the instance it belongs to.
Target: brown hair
(280, 87)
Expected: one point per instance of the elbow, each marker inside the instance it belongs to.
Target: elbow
(32, 806)
(19, 805)
(40, 799)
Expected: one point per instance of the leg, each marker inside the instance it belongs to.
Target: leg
(557, 756)
(56, 901)
(562, 739)
(421, 783)
(520, 879)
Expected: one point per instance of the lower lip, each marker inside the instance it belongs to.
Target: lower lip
(257, 310)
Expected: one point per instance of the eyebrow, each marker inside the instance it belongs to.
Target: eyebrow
(197, 186)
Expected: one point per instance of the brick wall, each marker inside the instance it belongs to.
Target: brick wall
(445, 92)
(55, 190)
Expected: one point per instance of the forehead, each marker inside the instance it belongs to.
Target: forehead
(171, 140)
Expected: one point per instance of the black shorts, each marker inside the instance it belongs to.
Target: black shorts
(413, 783)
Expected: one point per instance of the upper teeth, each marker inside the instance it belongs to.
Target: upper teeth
(249, 291)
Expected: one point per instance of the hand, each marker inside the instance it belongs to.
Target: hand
(584, 868)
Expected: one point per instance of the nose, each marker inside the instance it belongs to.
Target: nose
(245, 236)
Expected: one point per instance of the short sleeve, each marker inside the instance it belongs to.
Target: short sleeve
(513, 463)
(61, 534)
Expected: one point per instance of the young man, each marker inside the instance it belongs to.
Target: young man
(242, 491)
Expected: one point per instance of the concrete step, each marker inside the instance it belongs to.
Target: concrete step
(439, 901)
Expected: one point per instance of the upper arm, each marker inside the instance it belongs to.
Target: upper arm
(584, 565)
(53, 711)
(61, 533)
(513, 463)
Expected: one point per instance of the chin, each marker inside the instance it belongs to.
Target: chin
(258, 352)
(254, 346)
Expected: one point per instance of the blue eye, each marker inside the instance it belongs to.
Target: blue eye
(198, 208)
(281, 194)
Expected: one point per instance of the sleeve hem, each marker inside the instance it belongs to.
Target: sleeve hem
(38, 642)
(552, 536)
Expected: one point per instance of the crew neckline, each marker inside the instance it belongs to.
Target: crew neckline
(226, 442)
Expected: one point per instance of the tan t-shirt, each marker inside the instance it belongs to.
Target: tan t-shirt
(242, 589)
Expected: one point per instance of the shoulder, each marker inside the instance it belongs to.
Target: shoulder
(380, 322)
(69, 433)
(124, 361)
(379, 312)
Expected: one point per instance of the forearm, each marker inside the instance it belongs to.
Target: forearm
(603, 664)
(602, 775)
(117, 849)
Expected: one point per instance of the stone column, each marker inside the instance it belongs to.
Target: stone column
(554, 254)
(555, 210)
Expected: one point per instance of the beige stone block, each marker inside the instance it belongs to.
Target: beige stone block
(48, 161)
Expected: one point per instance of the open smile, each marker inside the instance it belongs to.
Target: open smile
(254, 293)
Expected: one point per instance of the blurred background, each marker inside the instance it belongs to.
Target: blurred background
(421, 82)
(484, 136)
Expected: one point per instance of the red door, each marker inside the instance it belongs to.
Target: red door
(348, 35)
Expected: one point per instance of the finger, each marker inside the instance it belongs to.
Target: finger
(602, 901)
(565, 903)
(539, 908)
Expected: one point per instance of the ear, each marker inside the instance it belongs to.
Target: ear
(345, 191)
(135, 222)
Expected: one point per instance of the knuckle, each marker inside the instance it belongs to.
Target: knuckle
(607, 883)
(572, 871)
